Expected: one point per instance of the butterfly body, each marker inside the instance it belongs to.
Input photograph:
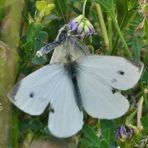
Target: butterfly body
(72, 72)
(71, 47)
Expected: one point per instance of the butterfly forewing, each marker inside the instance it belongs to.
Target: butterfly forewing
(118, 72)
(33, 93)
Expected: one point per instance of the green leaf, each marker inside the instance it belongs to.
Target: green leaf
(122, 10)
(91, 135)
(106, 134)
(108, 128)
(145, 77)
(146, 28)
(136, 47)
(104, 144)
(33, 32)
(41, 38)
(108, 5)
(144, 121)
(146, 35)
(130, 118)
(61, 6)
(39, 60)
(85, 143)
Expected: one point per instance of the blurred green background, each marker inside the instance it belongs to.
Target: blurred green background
(121, 29)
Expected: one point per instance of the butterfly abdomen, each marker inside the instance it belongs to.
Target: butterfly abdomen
(71, 69)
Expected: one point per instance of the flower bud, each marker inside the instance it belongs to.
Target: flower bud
(124, 132)
(81, 26)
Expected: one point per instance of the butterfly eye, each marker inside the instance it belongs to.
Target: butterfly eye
(121, 72)
(31, 95)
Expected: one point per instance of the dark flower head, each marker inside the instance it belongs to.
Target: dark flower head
(81, 26)
(73, 25)
(124, 132)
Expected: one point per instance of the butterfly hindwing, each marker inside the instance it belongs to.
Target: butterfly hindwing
(99, 99)
(65, 119)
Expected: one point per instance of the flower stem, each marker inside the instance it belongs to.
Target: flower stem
(84, 5)
(128, 53)
(144, 96)
(110, 33)
(14, 130)
(139, 112)
(146, 35)
(103, 27)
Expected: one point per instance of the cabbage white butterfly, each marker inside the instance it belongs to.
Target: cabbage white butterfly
(75, 81)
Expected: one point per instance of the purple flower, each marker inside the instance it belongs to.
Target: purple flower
(73, 25)
(124, 132)
(91, 31)
(81, 26)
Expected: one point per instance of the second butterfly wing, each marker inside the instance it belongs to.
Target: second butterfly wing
(99, 77)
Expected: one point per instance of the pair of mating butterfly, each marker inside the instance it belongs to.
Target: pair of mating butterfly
(75, 80)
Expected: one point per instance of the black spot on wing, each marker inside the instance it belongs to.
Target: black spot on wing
(52, 110)
(31, 95)
(114, 90)
(114, 80)
(121, 72)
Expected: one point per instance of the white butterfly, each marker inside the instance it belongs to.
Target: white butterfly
(76, 83)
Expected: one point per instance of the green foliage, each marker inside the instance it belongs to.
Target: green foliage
(91, 136)
(120, 35)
